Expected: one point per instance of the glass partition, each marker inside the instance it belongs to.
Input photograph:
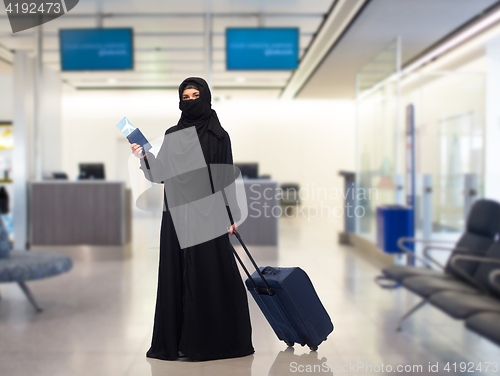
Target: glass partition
(378, 129)
(449, 131)
(449, 110)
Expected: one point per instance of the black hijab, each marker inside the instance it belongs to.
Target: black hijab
(199, 113)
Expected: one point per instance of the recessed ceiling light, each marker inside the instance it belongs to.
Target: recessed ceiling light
(240, 79)
(112, 80)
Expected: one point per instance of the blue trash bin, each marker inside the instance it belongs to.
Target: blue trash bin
(394, 222)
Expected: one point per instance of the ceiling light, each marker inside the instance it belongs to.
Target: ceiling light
(240, 79)
(112, 80)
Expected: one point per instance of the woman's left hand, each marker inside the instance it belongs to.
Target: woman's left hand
(230, 229)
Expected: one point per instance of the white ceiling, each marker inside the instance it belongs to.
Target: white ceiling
(169, 38)
(420, 23)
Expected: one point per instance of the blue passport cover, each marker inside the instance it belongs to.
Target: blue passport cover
(138, 138)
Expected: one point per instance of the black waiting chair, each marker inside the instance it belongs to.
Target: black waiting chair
(486, 297)
(470, 291)
(469, 277)
(482, 226)
(486, 323)
(463, 294)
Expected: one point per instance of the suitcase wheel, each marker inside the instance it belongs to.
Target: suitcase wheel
(289, 344)
(313, 348)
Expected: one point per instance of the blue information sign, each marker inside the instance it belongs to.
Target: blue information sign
(96, 49)
(262, 48)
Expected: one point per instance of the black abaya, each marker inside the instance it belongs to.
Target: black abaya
(201, 304)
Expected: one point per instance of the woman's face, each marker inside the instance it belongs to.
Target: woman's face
(189, 94)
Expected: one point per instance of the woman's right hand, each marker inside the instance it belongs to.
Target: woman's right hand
(137, 150)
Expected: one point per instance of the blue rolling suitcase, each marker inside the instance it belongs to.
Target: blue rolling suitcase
(287, 298)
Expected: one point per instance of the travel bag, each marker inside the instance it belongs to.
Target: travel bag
(289, 302)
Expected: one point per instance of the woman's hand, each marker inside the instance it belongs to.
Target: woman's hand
(137, 150)
(230, 229)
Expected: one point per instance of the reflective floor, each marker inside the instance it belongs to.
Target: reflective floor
(97, 319)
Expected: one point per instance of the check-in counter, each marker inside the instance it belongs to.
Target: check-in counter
(85, 212)
(261, 225)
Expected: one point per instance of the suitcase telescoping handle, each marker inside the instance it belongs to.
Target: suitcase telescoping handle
(256, 288)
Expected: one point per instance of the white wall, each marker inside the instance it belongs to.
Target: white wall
(492, 151)
(89, 119)
(50, 122)
(6, 114)
(302, 141)
(6, 101)
(22, 163)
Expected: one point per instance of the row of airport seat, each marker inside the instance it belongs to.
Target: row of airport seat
(467, 287)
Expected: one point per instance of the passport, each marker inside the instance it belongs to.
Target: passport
(138, 138)
(134, 135)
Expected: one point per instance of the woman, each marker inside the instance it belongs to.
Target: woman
(201, 305)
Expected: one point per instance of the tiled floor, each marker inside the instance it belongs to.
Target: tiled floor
(97, 319)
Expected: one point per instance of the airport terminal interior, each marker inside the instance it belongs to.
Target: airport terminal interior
(365, 139)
